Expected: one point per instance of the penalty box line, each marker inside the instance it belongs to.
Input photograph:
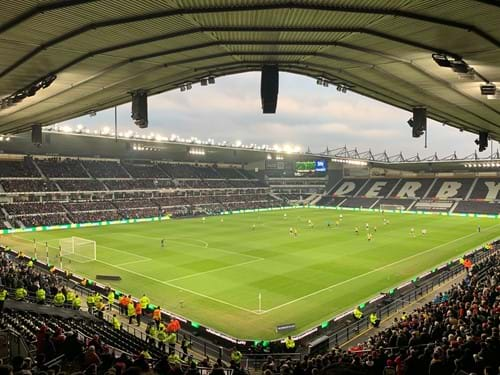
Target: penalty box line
(178, 287)
(370, 272)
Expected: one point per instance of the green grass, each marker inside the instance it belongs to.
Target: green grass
(218, 269)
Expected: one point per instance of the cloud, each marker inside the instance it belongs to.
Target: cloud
(307, 114)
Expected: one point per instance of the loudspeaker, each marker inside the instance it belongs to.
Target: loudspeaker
(36, 134)
(482, 141)
(419, 121)
(140, 108)
(269, 85)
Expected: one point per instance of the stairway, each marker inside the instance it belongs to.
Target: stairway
(38, 169)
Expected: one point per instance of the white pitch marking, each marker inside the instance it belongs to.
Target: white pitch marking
(125, 252)
(192, 245)
(178, 287)
(370, 272)
(214, 270)
(134, 262)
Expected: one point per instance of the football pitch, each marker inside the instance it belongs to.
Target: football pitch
(212, 272)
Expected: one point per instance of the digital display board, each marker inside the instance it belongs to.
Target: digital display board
(311, 166)
(320, 165)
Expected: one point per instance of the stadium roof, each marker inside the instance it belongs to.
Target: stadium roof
(100, 51)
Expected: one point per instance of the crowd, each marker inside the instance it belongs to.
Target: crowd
(17, 186)
(18, 168)
(81, 185)
(32, 208)
(95, 216)
(105, 169)
(95, 347)
(41, 220)
(62, 168)
(22, 280)
(53, 213)
(456, 334)
(145, 170)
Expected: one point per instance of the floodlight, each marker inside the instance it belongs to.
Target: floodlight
(441, 60)
(459, 66)
(488, 89)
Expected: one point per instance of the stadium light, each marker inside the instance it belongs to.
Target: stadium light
(488, 89)
(441, 60)
(460, 66)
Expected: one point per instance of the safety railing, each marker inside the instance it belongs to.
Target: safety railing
(343, 335)
(256, 361)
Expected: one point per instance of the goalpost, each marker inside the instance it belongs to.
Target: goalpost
(78, 249)
(392, 207)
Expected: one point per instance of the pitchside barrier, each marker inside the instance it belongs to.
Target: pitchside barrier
(161, 218)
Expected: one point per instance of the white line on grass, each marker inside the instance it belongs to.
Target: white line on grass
(177, 287)
(214, 270)
(369, 272)
(203, 247)
(126, 252)
(134, 262)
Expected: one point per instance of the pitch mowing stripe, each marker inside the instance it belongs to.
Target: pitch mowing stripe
(178, 287)
(202, 247)
(214, 270)
(369, 272)
(134, 262)
(143, 259)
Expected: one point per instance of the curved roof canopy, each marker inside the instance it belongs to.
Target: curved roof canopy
(63, 59)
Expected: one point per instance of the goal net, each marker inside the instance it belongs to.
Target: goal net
(392, 207)
(78, 249)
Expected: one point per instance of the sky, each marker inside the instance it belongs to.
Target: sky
(308, 115)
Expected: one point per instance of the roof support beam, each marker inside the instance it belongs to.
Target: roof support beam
(361, 30)
(270, 6)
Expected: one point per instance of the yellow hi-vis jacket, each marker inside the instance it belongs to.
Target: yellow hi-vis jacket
(116, 323)
(77, 303)
(59, 299)
(358, 314)
(111, 297)
(70, 296)
(20, 294)
(236, 356)
(144, 301)
(130, 309)
(40, 295)
(289, 343)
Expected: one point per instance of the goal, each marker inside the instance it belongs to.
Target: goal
(391, 207)
(78, 249)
